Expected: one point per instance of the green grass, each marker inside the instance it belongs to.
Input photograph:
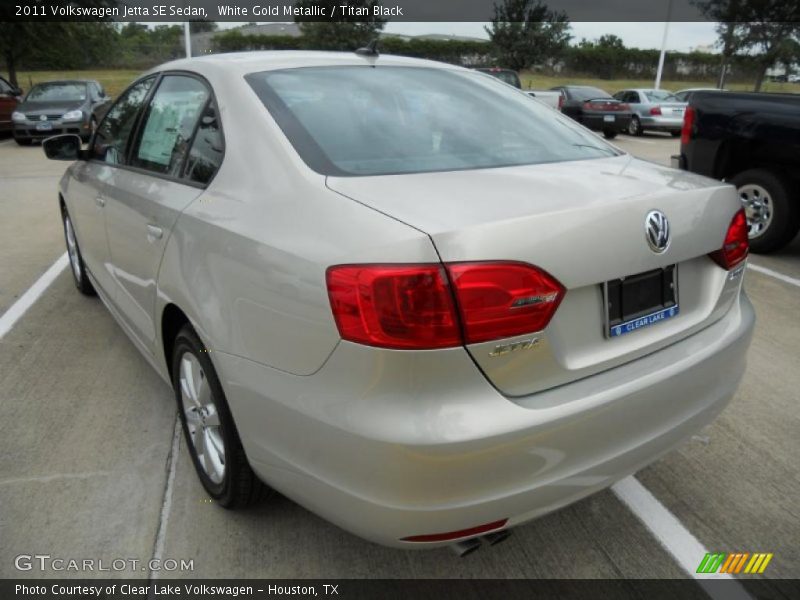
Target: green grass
(114, 81)
(544, 82)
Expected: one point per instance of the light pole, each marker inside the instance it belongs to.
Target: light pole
(187, 39)
(663, 46)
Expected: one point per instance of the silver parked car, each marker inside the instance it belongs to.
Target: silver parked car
(657, 110)
(400, 292)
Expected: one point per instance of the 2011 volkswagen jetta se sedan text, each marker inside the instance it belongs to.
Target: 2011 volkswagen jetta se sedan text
(402, 293)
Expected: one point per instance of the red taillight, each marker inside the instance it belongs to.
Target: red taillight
(454, 535)
(393, 306)
(656, 110)
(736, 246)
(411, 306)
(688, 125)
(503, 299)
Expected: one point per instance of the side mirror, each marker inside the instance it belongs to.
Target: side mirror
(17, 92)
(63, 147)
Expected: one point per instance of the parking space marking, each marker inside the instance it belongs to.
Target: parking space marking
(674, 537)
(24, 302)
(166, 504)
(628, 138)
(4, 142)
(775, 274)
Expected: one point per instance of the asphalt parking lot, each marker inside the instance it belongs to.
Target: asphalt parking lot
(90, 466)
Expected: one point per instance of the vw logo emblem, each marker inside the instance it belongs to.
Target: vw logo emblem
(656, 231)
(43, 117)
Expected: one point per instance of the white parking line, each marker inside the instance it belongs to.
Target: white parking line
(628, 138)
(6, 142)
(166, 504)
(674, 537)
(775, 274)
(24, 302)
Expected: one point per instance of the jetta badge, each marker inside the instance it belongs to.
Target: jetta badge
(656, 231)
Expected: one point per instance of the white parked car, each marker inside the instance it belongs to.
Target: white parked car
(400, 292)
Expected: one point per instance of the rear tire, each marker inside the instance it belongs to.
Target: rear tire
(635, 126)
(609, 134)
(773, 216)
(210, 434)
(77, 267)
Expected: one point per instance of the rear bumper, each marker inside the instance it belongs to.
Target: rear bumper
(662, 123)
(388, 453)
(598, 122)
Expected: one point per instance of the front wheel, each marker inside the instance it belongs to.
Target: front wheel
(773, 218)
(609, 134)
(675, 133)
(208, 427)
(75, 259)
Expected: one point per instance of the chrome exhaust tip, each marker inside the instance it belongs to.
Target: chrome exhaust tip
(465, 547)
(495, 538)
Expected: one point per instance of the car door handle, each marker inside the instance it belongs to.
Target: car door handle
(154, 232)
(100, 201)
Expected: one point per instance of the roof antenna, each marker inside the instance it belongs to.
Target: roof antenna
(370, 49)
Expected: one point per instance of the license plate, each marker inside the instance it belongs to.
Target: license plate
(608, 118)
(44, 126)
(641, 300)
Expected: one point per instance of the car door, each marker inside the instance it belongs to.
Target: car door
(634, 100)
(8, 103)
(87, 191)
(145, 198)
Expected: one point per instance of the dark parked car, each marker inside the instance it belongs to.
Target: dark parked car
(9, 98)
(751, 140)
(73, 106)
(505, 75)
(595, 109)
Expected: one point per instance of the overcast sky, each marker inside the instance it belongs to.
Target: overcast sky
(681, 36)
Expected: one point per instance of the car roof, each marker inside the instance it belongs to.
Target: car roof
(254, 62)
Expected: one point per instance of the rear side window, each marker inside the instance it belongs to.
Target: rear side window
(168, 125)
(208, 148)
(115, 130)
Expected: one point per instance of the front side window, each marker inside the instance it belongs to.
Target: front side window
(168, 125)
(112, 136)
(358, 120)
(5, 88)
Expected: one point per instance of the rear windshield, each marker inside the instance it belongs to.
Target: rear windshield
(57, 92)
(362, 120)
(660, 96)
(588, 93)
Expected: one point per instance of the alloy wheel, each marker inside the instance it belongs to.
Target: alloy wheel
(72, 249)
(202, 418)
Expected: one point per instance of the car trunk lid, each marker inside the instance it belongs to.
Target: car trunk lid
(584, 223)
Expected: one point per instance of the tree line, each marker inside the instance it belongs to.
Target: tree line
(753, 36)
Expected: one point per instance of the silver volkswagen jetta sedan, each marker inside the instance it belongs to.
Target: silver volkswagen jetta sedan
(400, 292)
